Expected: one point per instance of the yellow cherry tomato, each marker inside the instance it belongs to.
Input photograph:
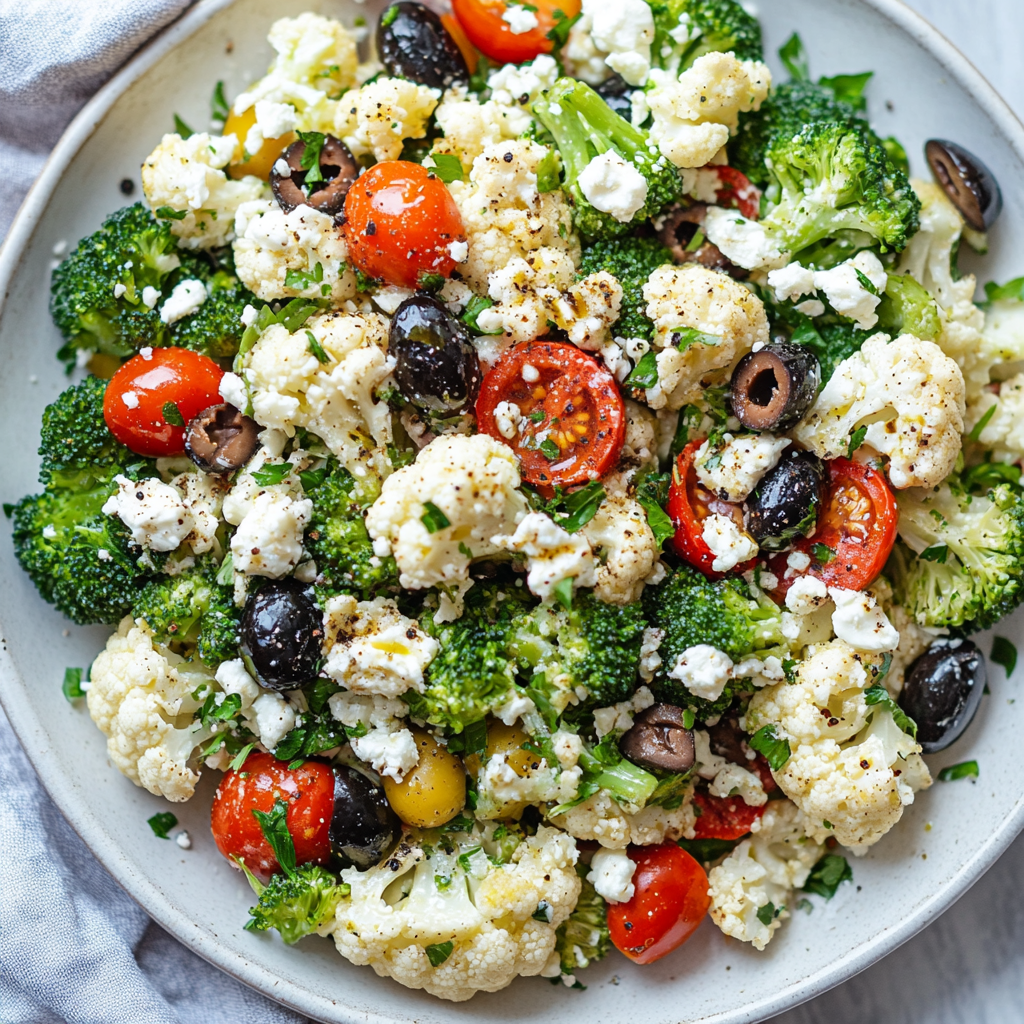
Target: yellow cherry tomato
(260, 163)
(434, 791)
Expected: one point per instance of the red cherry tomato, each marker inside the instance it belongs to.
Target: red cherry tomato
(493, 36)
(858, 524)
(400, 221)
(736, 189)
(724, 817)
(573, 417)
(670, 901)
(136, 402)
(689, 504)
(309, 791)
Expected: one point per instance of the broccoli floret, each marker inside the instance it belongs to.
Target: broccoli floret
(216, 328)
(132, 250)
(959, 560)
(721, 26)
(583, 937)
(296, 904)
(192, 607)
(337, 537)
(631, 261)
(692, 610)
(585, 127)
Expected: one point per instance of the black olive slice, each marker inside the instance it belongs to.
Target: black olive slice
(220, 439)
(971, 186)
(414, 44)
(437, 368)
(338, 167)
(659, 740)
(679, 230)
(281, 632)
(363, 826)
(942, 692)
(773, 387)
(787, 500)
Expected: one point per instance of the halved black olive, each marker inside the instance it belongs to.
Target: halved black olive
(773, 387)
(971, 186)
(942, 692)
(786, 501)
(678, 232)
(363, 826)
(616, 92)
(220, 439)
(338, 167)
(413, 44)
(658, 739)
(281, 632)
(437, 366)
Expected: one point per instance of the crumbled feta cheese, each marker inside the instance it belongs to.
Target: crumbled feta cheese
(459, 251)
(234, 678)
(130, 399)
(150, 296)
(275, 119)
(154, 512)
(791, 281)
(530, 373)
(611, 875)
(268, 540)
(282, 167)
(232, 390)
(703, 670)
(516, 707)
(119, 290)
(798, 561)
(650, 659)
(727, 542)
(807, 594)
(843, 287)
(613, 186)
(624, 30)
(552, 554)
(273, 717)
(519, 19)
(184, 840)
(739, 465)
(506, 418)
(391, 296)
(744, 242)
(146, 352)
(811, 307)
(388, 753)
(186, 298)
(860, 622)
(619, 717)
(50, 531)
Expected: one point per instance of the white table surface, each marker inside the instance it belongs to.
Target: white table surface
(968, 967)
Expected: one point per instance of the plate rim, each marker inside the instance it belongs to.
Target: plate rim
(153, 901)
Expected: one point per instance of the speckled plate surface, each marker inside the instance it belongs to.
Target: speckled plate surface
(951, 835)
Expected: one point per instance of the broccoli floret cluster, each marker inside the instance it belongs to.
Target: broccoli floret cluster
(584, 127)
(721, 26)
(959, 560)
(296, 904)
(691, 609)
(81, 560)
(583, 937)
(216, 328)
(631, 261)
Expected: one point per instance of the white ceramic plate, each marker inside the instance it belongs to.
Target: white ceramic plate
(951, 835)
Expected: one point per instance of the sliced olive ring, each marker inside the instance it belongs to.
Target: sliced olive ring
(617, 93)
(658, 739)
(414, 44)
(679, 230)
(972, 188)
(220, 439)
(772, 388)
(338, 167)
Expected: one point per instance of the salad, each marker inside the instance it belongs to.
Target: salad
(550, 470)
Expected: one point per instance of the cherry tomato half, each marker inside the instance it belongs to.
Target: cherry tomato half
(736, 189)
(146, 390)
(488, 31)
(400, 221)
(573, 420)
(309, 791)
(689, 504)
(724, 817)
(857, 526)
(670, 901)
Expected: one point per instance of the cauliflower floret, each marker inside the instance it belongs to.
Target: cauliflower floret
(504, 215)
(315, 59)
(470, 126)
(713, 304)
(909, 396)
(186, 175)
(762, 870)
(473, 482)
(373, 648)
(850, 765)
(431, 894)
(335, 400)
(625, 544)
(282, 255)
(725, 777)
(140, 696)
(552, 554)
(695, 113)
(601, 819)
(378, 117)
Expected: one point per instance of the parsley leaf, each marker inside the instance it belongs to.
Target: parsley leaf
(162, 823)
(315, 347)
(474, 308)
(172, 414)
(433, 518)
(865, 282)
(766, 741)
(274, 826)
(823, 553)
(645, 374)
(438, 952)
(856, 440)
(964, 770)
(549, 449)
(563, 592)
(168, 213)
(1004, 653)
(219, 107)
(794, 58)
(272, 473)
(239, 759)
(559, 32)
(936, 553)
(827, 875)
(849, 88)
(447, 167)
(878, 694)
(978, 427)
(581, 506)
(766, 913)
(72, 685)
(684, 337)
(657, 518)
(182, 129)
(310, 159)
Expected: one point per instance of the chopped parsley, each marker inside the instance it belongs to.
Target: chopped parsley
(437, 952)
(964, 770)
(172, 414)
(645, 374)
(272, 473)
(1004, 653)
(433, 518)
(162, 823)
(766, 741)
(72, 686)
(828, 874)
(447, 167)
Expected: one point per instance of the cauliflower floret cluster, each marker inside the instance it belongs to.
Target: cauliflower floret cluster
(728, 321)
(552, 554)
(289, 387)
(601, 819)
(624, 543)
(186, 176)
(140, 697)
(850, 767)
(428, 895)
(909, 396)
(380, 116)
(694, 114)
(762, 870)
(473, 482)
(301, 253)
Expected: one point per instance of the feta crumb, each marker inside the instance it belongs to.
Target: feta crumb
(519, 19)
(232, 390)
(154, 512)
(282, 168)
(791, 281)
(552, 554)
(102, 554)
(613, 186)
(727, 542)
(130, 399)
(799, 561)
(506, 417)
(249, 315)
(150, 296)
(388, 753)
(119, 290)
(274, 718)
(146, 352)
(703, 670)
(805, 595)
(739, 465)
(275, 119)
(860, 622)
(459, 251)
(530, 373)
(184, 840)
(611, 875)
(811, 307)
(49, 532)
(848, 296)
(234, 678)
(186, 298)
